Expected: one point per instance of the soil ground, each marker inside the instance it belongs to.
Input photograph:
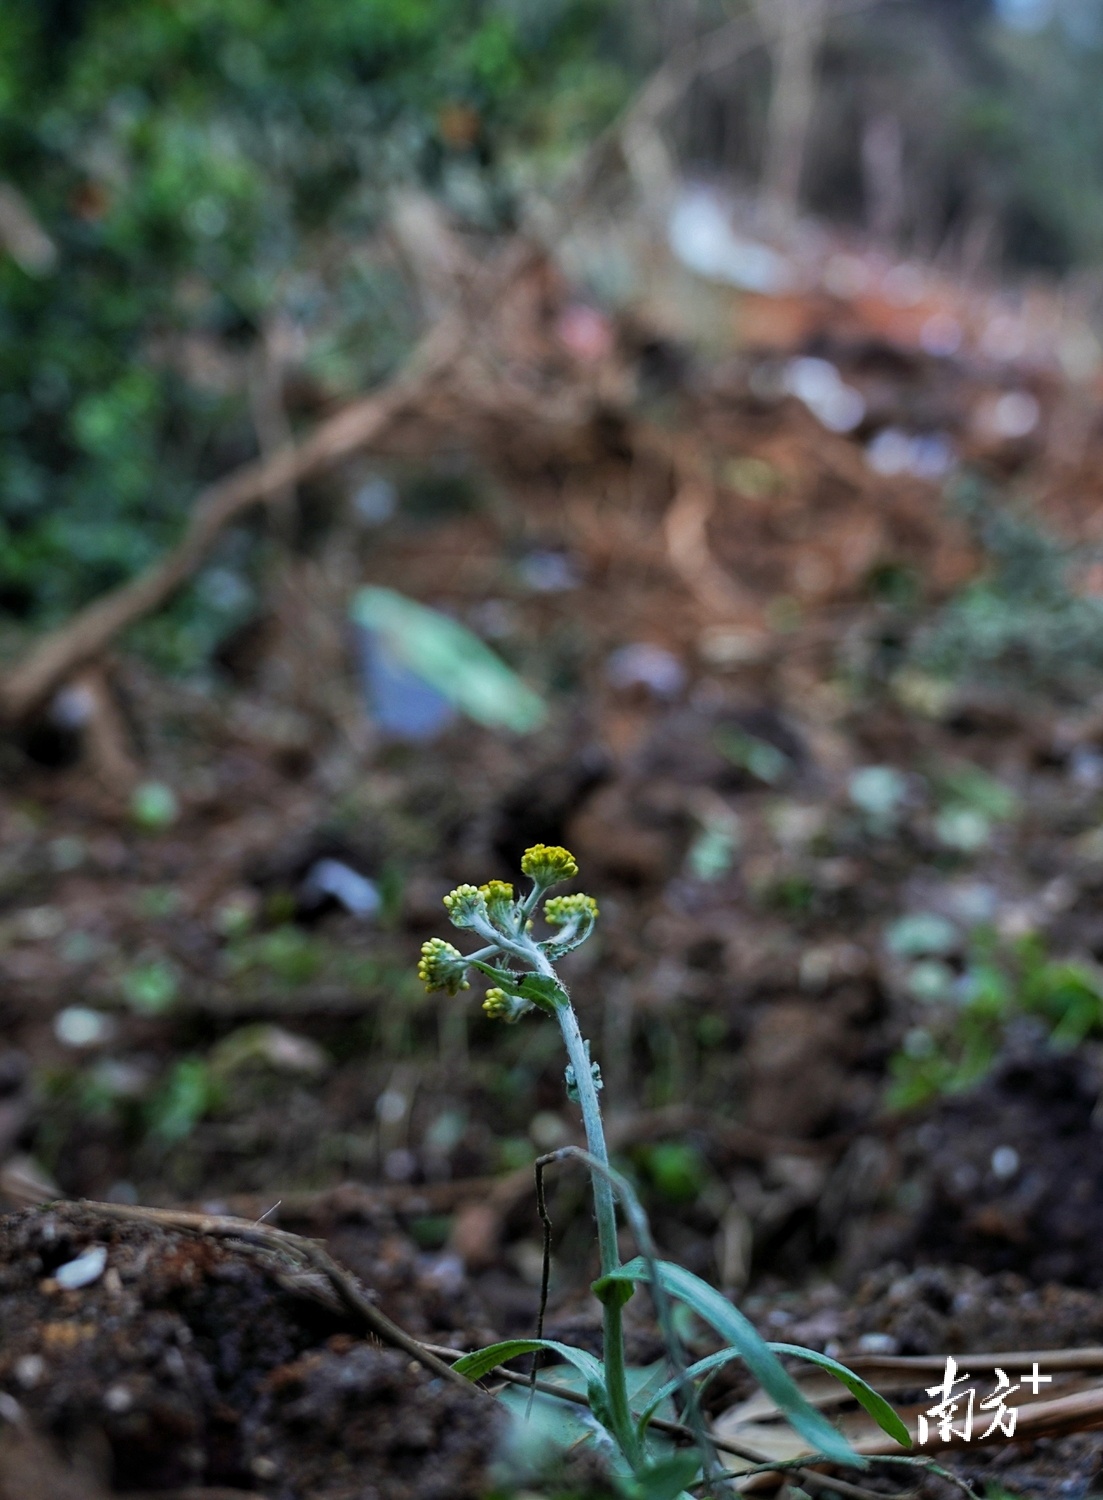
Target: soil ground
(185, 1023)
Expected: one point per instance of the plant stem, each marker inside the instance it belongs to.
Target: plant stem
(616, 1383)
(595, 1136)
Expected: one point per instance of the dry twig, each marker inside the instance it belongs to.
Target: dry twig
(81, 640)
(303, 1254)
(60, 653)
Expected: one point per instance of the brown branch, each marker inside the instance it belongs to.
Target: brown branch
(1054, 1361)
(73, 645)
(306, 1254)
(84, 637)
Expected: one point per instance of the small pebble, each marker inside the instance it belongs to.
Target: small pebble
(29, 1370)
(87, 1268)
(1005, 1162)
(80, 1026)
(877, 1343)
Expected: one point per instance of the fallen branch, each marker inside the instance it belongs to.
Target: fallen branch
(83, 638)
(73, 645)
(305, 1255)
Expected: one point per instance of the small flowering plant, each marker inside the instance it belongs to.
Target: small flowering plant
(521, 968)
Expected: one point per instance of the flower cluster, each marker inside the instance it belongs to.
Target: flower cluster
(466, 905)
(505, 924)
(559, 910)
(500, 905)
(442, 967)
(502, 1007)
(549, 864)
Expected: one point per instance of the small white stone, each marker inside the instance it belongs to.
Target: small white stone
(80, 1026)
(1005, 1162)
(29, 1370)
(87, 1268)
(117, 1398)
(878, 1343)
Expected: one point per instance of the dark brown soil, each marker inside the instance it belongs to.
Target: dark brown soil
(936, 1310)
(193, 1362)
(247, 1046)
(1038, 1211)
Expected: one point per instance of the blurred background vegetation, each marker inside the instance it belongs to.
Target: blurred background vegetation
(202, 174)
(187, 183)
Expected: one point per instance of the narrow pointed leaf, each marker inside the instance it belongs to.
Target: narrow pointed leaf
(481, 1361)
(878, 1408)
(453, 661)
(756, 1354)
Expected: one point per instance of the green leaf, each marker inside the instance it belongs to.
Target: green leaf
(665, 1480)
(756, 1354)
(547, 1423)
(535, 987)
(878, 1408)
(481, 1361)
(702, 1367)
(543, 991)
(447, 656)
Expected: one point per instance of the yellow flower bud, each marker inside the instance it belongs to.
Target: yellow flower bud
(442, 967)
(559, 910)
(549, 864)
(498, 895)
(465, 904)
(502, 1007)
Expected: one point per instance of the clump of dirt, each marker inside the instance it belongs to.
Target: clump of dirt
(355, 1423)
(1012, 1172)
(944, 1309)
(182, 1360)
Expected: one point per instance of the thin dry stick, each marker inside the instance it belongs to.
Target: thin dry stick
(545, 1268)
(307, 1253)
(82, 639)
(1055, 1361)
(85, 636)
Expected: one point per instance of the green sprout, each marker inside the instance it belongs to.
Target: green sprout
(521, 967)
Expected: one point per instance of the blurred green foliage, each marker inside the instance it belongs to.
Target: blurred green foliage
(969, 1015)
(675, 1169)
(186, 1093)
(1021, 623)
(204, 169)
(208, 174)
